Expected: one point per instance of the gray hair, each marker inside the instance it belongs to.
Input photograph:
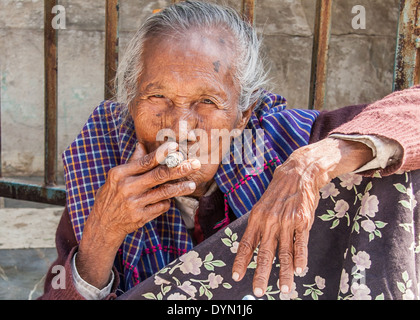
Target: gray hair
(251, 74)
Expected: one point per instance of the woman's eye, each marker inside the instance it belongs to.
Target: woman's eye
(208, 101)
(157, 96)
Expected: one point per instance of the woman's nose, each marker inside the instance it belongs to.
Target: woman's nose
(184, 124)
(185, 130)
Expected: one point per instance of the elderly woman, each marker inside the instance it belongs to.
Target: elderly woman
(192, 78)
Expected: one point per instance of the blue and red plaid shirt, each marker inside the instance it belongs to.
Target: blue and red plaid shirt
(106, 141)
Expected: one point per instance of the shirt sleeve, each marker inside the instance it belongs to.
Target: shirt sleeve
(385, 151)
(85, 289)
(395, 117)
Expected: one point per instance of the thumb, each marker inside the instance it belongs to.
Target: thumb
(139, 152)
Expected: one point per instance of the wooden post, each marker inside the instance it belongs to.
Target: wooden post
(322, 31)
(111, 46)
(50, 69)
(248, 11)
(407, 57)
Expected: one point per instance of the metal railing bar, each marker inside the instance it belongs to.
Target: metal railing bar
(407, 56)
(248, 10)
(50, 125)
(111, 46)
(1, 79)
(48, 192)
(322, 32)
(21, 190)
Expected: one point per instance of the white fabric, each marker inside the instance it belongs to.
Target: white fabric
(385, 151)
(85, 289)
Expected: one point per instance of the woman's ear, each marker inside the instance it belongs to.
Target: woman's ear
(244, 117)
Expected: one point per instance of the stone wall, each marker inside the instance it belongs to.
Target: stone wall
(359, 68)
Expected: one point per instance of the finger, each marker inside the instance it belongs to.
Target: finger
(265, 259)
(163, 174)
(301, 250)
(152, 211)
(168, 191)
(245, 252)
(140, 162)
(285, 254)
(158, 207)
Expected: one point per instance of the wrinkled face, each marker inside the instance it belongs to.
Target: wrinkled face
(187, 86)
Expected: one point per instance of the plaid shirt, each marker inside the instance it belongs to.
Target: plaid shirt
(107, 141)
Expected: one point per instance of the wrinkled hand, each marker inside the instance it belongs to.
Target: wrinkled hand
(138, 192)
(284, 215)
(133, 194)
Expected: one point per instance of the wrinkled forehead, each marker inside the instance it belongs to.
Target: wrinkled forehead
(216, 44)
(205, 55)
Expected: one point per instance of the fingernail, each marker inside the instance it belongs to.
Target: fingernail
(195, 164)
(298, 270)
(258, 292)
(191, 185)
(235, 276)
(284, 289)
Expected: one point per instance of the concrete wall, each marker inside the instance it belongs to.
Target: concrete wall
(360, 62)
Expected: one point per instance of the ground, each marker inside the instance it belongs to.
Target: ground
(27, 248)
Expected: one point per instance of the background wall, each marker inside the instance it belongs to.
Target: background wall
(359, 68)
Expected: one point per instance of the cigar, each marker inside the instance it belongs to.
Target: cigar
(174, 159)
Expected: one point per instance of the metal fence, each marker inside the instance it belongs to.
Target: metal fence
(406, 74)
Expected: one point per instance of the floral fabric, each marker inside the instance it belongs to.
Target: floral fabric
(364, 245)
